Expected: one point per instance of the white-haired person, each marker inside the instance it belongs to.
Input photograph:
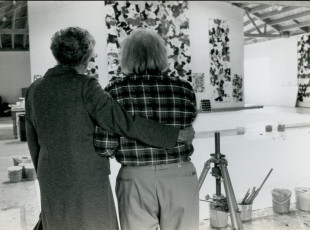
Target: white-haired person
(155, 186)
(62, 109)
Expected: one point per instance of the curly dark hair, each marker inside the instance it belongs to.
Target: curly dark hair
(72, 46)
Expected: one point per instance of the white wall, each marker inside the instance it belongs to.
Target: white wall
(200, 12)
(14, 74)
(47, 17)
(270, 70)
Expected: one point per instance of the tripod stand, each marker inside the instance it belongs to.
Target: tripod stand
(220, 172)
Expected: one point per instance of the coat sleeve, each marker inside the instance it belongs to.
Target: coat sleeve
(111, 116)
(31, 133)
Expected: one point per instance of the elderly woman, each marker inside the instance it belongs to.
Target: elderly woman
(155, 186)
(62, 110)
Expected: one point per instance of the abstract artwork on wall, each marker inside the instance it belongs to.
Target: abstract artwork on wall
(92, 68)
(168, 18)
(199, 82)
(237, 88)
(220, 76)
(303, 74)
(205, 105)
(37, 76)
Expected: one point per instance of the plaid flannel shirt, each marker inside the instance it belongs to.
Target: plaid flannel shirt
(163, 99)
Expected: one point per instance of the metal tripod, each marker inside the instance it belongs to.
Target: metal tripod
(220, 172)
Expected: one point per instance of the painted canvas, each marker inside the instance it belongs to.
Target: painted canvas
(36, 77)
(303, 74)
(199, 82)
(92, 68)
(220, 76)
(205, 105)
(168, 18)
(237, 88)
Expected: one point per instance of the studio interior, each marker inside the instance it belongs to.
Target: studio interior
(249, 65)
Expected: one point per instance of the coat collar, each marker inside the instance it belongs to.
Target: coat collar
(60, 70)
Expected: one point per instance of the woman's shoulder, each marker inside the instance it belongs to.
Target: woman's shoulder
(115, 82)
(86, 79)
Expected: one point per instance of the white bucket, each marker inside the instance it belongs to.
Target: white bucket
(30, 172)
(245, 212)
(281, 200)
(218, 216)
(218, 219)
(15, 174)
(302, 196)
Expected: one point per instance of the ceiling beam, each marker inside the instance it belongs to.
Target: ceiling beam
(15, 31)
(13, 28)
(253, 23)
(248, 39)
(302, 28)
(288, 18)
(25, 35)
(253, 29)
(271, 14)
(276, 28)
(258, 8)
(277, 12)
(276, 3)
(266, 36)
(265, 15)
(294, 26)
(256, 40)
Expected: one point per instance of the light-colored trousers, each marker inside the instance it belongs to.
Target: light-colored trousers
(163, 195)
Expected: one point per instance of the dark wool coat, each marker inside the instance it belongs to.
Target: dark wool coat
(62, 109)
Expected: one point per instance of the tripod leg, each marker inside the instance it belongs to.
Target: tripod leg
(231, 200)
(204, 173)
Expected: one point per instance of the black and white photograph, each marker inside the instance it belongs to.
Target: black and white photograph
(154, 115)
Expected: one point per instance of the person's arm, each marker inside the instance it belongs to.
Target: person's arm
(194, 102)
(105, 143)
(111, 116)
(31, 133)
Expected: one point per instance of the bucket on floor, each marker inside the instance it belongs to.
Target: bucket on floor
(21, 159)
(302, 196)
(240, 130)
(281, 200)
(218, 218)
(25, 159)
(268, 128)
(245, 211)
(30, 172)
(15, 174)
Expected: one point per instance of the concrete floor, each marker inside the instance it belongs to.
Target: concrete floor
(250, 156)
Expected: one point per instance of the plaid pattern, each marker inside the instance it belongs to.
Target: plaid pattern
(164, 99)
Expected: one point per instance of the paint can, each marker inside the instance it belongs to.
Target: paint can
(245, 212)
(281, 200)
(15, 174)
(281, 128)
(25, 159)
(21, 159)
(30, 172)
(302, 196)
(240, 130)
(268, 128)
(218, 217)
